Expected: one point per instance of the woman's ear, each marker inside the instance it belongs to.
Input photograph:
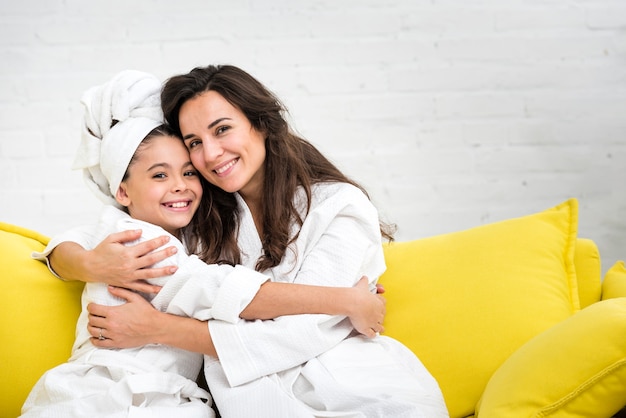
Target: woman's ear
(122, 196)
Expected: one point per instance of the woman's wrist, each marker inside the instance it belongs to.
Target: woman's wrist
(70, 261)
(183, 332)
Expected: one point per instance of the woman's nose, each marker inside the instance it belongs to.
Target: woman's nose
(212, 149)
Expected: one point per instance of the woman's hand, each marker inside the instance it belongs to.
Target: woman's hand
(133, 324)
(121, 265)
(137, 323)
(368, 309)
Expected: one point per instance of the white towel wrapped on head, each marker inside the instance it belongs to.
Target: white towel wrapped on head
(118, 116)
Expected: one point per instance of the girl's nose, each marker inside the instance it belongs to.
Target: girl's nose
(179, 184)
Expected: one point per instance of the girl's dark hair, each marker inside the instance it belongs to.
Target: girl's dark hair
(290, 161)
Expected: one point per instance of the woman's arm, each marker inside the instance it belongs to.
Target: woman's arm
(137, 322)
(113, 262)
(116, 263)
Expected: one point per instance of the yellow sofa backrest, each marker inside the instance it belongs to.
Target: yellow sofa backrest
(38, 317)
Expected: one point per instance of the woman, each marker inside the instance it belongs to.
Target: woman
(288, 212)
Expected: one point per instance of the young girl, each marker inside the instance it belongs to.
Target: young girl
(144, 172)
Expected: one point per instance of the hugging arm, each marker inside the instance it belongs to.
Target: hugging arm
(113, 262)
(138, 323)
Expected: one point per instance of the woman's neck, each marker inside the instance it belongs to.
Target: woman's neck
(256, 210)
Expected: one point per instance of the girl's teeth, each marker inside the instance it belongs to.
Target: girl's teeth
(179, 204)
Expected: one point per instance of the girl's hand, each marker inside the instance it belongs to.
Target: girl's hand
(368, 310)
(133, 324)
(121, 265)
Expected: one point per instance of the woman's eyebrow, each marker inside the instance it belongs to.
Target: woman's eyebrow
(215, 122)
(211, 125)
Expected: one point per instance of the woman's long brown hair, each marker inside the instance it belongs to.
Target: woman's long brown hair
(291, 161)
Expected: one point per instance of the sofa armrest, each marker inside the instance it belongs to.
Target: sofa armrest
(37, 319)
(588, 271)
(614, 283)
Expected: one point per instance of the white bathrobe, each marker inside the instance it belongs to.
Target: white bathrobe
(150, 381)
(315, 365)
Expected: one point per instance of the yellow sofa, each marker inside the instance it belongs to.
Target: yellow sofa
(512, 318)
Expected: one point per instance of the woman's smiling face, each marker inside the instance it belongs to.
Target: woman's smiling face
(224, 146)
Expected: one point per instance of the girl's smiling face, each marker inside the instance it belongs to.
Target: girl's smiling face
(225, 148)
(161, 187)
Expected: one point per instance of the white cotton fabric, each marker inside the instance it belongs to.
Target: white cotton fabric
(315, 365)
(154, 380)
(117, 117)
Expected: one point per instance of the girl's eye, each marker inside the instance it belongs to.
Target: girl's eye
(191, 173)
(159, 176)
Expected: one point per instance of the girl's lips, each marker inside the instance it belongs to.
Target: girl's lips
(225, 168)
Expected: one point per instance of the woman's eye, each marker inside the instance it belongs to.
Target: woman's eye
(222, 129)
(193, 143)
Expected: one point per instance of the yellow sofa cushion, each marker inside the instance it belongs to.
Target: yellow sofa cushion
(38, 316)
(558, 374)
(465, 301)
(614, 283)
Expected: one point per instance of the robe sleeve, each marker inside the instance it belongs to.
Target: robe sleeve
(339, 242)
(199, 290)
(83, 236)
(196, 290)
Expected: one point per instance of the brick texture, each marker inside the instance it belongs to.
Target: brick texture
(452, 114)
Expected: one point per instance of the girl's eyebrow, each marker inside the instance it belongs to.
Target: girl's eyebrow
(158, 165)
(166, 165)
(211, 125)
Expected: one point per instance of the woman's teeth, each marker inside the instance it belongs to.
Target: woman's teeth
(226, 167)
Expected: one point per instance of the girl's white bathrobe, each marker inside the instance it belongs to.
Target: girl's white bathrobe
(150, 381)
(315, 365)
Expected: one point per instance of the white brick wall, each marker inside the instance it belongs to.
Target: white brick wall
(452, 113)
